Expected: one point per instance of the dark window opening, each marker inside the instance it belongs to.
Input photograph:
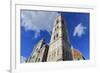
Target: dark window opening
(38, 59)
(57, 35)
(57, 21)
(54, 37)
(55, 29)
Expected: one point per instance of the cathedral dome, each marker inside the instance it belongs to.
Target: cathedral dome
(77, 55)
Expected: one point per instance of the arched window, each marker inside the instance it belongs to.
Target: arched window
(57, 27)
(38, 59)
(54, 37)
(57, 21)
(78, 58)
(57, 35)
(38, 51)
(33, 56)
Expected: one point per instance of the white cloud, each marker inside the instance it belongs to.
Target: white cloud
(22, 59)
(38, 20)
(79, 30)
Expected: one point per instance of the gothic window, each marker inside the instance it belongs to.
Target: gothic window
(56, 28)
(38, 51)
(57, 21)
(54, 37)
(33, 56)
(38, 59)
(57, 35)
(78, 58)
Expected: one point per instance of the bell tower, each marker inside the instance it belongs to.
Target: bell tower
(59, 48)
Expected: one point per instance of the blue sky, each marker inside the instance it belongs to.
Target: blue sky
(38, 24)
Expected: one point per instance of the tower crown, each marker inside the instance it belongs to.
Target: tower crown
(59, 29)
(59, 19)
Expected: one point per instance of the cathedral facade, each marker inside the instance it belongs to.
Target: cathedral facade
(59, 48)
